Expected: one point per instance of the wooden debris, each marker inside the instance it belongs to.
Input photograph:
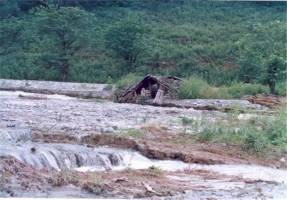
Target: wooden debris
(153, 87)
(269, 101)
(159, 97)
(122, 179)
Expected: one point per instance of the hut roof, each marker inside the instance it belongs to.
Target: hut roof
(150, 80)
(164, 82)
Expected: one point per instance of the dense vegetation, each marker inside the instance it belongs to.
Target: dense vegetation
(102, 41)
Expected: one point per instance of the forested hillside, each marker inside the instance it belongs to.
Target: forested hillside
(102, 41)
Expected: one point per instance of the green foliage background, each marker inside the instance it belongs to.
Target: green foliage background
(100, 41)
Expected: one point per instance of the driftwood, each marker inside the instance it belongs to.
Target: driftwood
(269, 101)
(151, 87)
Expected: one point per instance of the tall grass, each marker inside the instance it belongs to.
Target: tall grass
(128, 80)
(238, 90)
(195, 87)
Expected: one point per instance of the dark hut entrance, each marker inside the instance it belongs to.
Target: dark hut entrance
(151, 87)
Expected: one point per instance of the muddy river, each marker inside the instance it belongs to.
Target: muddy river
(24, 115)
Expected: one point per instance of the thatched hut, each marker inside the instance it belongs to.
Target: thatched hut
(151, 87)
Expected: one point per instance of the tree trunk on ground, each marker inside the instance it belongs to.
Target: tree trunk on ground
(65, 71)
(272, 87)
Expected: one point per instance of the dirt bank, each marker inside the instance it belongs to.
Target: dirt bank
(164, 145)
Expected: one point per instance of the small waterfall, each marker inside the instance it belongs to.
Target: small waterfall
(62, 156)
(81, 158)
(119, 159)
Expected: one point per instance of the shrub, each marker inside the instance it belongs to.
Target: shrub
(255, 140)
(155, 171)
(276, 130)
(281, 88)
(238, 90)
(186, 121)
(206, 135)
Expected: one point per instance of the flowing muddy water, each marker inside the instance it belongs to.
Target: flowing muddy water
(78, 157)
(23, 114)
(81, 158)
(271, 182)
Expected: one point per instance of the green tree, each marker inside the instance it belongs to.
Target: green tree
(10, 35)
(275, 72)
(12, 53)
(250, 68)
(221, 42)
(63, 32)
(8, 8)
(14, 8)
(125, 39)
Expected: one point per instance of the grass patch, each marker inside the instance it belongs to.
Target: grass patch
(155, 171)
(261, 134)
(134, 133)
(186, 121)
(206, 135)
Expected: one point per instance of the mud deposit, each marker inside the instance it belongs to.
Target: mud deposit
(59, 146)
